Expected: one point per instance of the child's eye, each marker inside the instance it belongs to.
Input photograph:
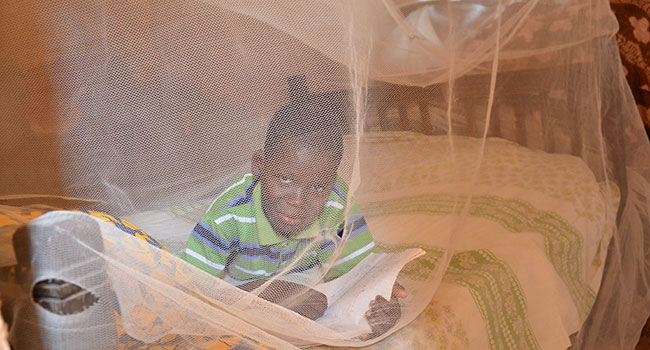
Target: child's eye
(285, 180)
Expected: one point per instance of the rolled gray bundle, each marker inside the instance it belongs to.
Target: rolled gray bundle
(68, 302)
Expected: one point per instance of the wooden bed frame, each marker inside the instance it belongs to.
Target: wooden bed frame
(527, 110)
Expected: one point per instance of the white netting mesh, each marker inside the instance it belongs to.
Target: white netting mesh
(497, 138)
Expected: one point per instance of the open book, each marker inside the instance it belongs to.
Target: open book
(349, 295)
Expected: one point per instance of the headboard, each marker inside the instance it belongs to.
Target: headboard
(528, 109)
(515, 113)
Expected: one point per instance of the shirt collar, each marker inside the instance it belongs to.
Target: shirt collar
(265, 232)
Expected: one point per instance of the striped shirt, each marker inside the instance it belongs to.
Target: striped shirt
(235, 236)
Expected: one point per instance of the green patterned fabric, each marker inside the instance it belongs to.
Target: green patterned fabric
(494, 287)
(498, 296)
(563, 243)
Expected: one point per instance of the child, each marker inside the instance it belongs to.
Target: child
(290, 208)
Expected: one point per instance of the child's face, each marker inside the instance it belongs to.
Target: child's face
(295, 187)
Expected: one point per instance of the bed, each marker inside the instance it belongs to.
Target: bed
(527, 248)
(528, 257)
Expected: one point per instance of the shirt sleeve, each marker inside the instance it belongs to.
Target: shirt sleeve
(358, 245)
(211, 243)
(207, 248)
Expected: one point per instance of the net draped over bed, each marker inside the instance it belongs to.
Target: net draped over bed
(449, 110)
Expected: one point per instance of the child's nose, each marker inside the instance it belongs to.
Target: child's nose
(297, 197)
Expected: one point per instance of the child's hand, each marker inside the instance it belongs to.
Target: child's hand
(383, 314)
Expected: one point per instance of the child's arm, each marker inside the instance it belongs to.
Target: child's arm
(295, 297)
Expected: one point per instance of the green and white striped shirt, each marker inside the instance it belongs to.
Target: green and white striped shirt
(235, 236)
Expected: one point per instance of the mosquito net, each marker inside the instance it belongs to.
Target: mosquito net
(320, 173)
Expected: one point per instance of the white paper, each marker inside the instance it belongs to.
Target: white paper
(348, 296)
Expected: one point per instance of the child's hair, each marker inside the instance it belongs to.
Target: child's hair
(305, 123)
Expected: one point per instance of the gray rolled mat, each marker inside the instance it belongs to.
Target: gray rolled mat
(68, 302)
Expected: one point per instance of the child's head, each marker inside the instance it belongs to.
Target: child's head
(298, 166)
